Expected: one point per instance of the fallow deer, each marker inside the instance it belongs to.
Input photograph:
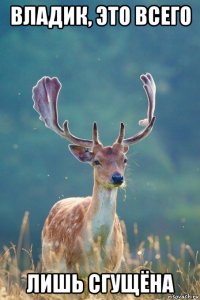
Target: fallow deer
(84, 235)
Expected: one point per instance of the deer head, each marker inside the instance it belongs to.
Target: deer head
(109, 162)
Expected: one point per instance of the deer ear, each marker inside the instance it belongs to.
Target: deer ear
(83, 154)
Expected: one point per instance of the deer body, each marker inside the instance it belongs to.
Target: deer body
(83, 235)
(73, 232)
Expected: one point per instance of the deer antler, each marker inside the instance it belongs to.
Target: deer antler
(45, 97)
(121, 134)
(150, 89)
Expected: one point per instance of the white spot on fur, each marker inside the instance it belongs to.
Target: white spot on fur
(76, 217)
(57, 243)
(47, 245)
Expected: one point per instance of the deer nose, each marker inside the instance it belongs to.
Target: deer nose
(117, 178)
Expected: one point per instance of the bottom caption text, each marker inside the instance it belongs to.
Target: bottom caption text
(144, 282)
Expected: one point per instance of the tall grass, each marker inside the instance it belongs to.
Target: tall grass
(17, 260)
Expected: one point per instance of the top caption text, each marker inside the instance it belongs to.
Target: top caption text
(113, 15)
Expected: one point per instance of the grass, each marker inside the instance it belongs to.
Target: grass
(16, 261)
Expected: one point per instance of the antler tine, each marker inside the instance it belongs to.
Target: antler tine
(95, 135)
(141, 135)
(121, 134)
(73, 139)
(45, 97)
(150, 89)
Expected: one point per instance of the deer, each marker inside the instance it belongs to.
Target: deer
(83, 234)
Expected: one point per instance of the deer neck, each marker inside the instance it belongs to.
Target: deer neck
(101, 213)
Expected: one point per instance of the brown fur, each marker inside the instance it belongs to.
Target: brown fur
(68, 241)
(66, 223)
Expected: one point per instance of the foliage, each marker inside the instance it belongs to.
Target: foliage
(17, 261)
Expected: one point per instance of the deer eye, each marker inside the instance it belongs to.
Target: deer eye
(97, 162)
(125, 160)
